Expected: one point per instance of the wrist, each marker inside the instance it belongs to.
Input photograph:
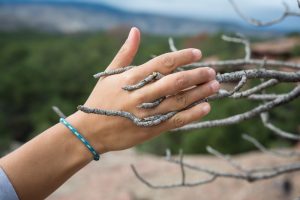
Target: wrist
(84, 124)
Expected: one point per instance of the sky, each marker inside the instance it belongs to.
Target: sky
(217, 10)
(201, 9)
(212, 9)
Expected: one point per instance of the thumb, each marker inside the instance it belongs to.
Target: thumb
(127, 52)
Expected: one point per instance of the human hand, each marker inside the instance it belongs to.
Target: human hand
(108, 133)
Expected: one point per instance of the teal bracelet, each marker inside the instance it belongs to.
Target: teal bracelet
(81, 138)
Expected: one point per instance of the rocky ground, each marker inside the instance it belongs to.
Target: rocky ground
(113, 179)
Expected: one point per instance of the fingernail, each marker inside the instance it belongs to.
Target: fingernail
(206, 108)
(215, 85)
(196, 54)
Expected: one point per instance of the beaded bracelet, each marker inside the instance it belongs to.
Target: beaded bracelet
(81, 138)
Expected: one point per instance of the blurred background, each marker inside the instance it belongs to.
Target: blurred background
(50, 49)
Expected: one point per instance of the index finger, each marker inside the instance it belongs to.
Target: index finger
(168, 62)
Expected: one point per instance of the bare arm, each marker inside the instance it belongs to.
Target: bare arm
(40, 166)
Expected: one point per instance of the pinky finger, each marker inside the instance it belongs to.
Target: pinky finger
(187, 116)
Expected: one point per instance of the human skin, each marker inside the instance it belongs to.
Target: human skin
(40, 166)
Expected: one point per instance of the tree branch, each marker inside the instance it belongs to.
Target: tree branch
(256, 22)
(58, 112)
(284, 154)
(255, 89)
(265, 119)
(246, 175)
(247, 115)
(241, 39)
(227, 158)
(243, 62)
(152, 77)
(172, 45)
(268, 79)
(112, 72)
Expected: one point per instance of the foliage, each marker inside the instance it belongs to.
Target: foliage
(41, 70)
(296, 51)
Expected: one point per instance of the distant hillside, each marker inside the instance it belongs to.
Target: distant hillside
(86, 17)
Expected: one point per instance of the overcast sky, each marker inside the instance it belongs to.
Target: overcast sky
(213, 9)
(205, 9)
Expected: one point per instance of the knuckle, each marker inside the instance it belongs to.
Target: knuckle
(205, 109)
(182, 99)
(129, 78)
(181, 81)
(139, 97)
(214, 86)
(168, 61)
(142, 113)
(178, 121)
(210, 72)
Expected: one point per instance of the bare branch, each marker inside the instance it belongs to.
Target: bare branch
(241, 39)
(112, 72)
(265, 119)
(264, 97)
(182, 167)
(243, 62)
(268, 78)
(224, 93)
(247, 175)
(152, 104)
(256, 89)
(58, 112)
(227, 77)
(201, 182)
(225, 63)
(256, 22)
(227, 158)
(259, 73)
(284, 154)
(149, 121)
(172, 45)
(152, 77)
(247, 115)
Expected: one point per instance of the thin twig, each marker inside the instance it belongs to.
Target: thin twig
(113, 72)
(256, 89)
(58, 112)
(227, 158)
(256, 22)
(265, 119)
(150, 185)
(152, 77)
(247, 175)
(284, 154)
(264, 97)
(253, 175)
(241, 39)
(243, 62)
(149, 121)
(224, 93)
(259, 73)
(182, 167)
(152, 104)
(172, 45)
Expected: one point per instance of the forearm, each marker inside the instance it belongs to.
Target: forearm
(40, 166)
